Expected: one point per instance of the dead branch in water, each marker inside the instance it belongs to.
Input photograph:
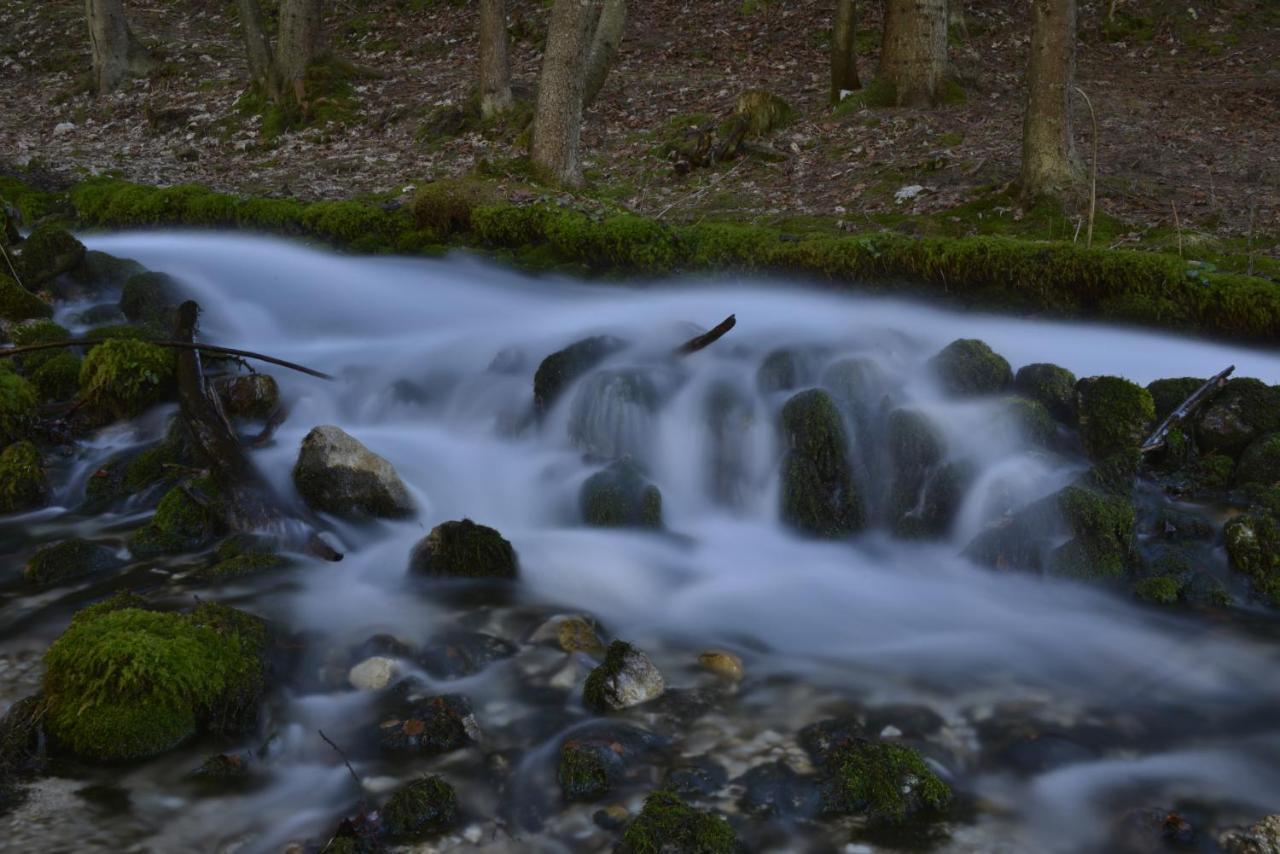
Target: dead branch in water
(174, 345)
(1185, 410)
(706, 339)
(345, 761)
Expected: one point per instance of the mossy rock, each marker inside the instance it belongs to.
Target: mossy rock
(122, 377)
(783, 369)
(46, 254)
(99, 271)
(19, 404)
(594, 760)
(1115, 415)
(558, 371)
(17, 303)
(445, 206)
(889, 783)
(252, 396)
(1159, 590)
(23, 482)
(625, 678)
(150, 299)
(238, 557)
(620, 496)
(425, 806)
(968, 367)
(764, 111)
(1103, 529)
(127, 684)
(335, 473)
(69, 560)
(1052, 386)
(463, 549)
(1253, 545)
(38, 332)
(668, 824)
(924, 494)
(190, 517)
(58, 379)
(428, 726)
(1032, 420)
(1168, 394)
(819, 495)
(1244, 410)
(1260, 462)
(22, 738)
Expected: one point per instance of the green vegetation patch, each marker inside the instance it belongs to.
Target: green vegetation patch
(121, 377)
(667, 823)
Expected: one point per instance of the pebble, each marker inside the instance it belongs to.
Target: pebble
(372, 674)
(723, 664)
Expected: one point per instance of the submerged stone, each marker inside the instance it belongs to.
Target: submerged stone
(558, 371)
(337, 474)
(1115, 415)
(99, 270)
(456, 654)
(620, 497)
(612, 413)
(426, 805)
(730, 415)
(668, 824)
(774, 789)
(70, 560)
(626, 678)
(428, 725)
(463, 549)
(781, 370)
(967, 367)
(22, 742)
(890, 783)
(819, 496)
(1051, 386)
(595, 760)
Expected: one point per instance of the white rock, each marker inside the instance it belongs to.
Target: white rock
(63, 127)
(908, 192)
(635, 681)
(372, 674)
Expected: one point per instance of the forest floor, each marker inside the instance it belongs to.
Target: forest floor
(1187, 96)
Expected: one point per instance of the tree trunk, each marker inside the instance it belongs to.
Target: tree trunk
(301, 41)
(1050, 166)
(557, 120)
(844, 57)
(495, 65)
(258, 48)
(604, 48)
(117, 55)
(913, 58)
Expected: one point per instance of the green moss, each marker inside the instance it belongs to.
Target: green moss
(445, 207)
(18, 407)
(1253, 545)
(237, 557)
(68, 561)
(426, 805)
(1160, 590)
(1244, 410)
(584, 772)
(23, 484)
(620, 496)
(595, 690)
(915, 451)
(46, 254)
(58, 379)
(1115, 415)
(463, 549)
(819, 496)
(1102, 529)
(17, 303)
(764, 111)
(354, 225)
(875, 95)
(1168, 395)
(1032, 420)
(150, 299)
(668, 824)
(968, 366)
(129, 683)
(888, 782)
(122, 377)
(1051, 386)
(190, 516)
(38, 332)
(1260, 463)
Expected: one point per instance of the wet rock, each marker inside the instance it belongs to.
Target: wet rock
(70, 560)
(508, 360)
(99, 270)
(19, 407)
(252, 396)
(774, 789)
(819, 496)
(1032, 421)
(558, 371)
(668, 824)
(1176, 526)
(23, 482)
(594, 761)
(102, 315)
(22, 742)
(612, 818)
(336, 474)
(1253, 547)
(724, 664)
(47, 253)
(58, 379)
(1168, 394)
(821, 738)
(428, 725)
(574, 634)
(453, 655)
(968, 367)
(191, 516)
(372, 674)
(1260, 462)
(620, 496)
(700, 777)
(223, 769)
(18, 303)
(1261, 838)
(1115, 415)
(1244, 410)
(239, 556)
(890, 783)
(150, 299)
(1147, 831)
(857, 384)
(910, 721)
(626, 678)
(464, 549)
(426, 805)
(730, 414)
(1051, 386)
(781, 370)
(925, 493)
(612, 413)
(122, 377)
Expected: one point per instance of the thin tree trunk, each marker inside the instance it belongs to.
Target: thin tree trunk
(913, 58)
(495, 65)
(117, 55)
(258, 48)
(604, 48)
(557, 120)
(844, 57)
(1050, 166)
(301, 41)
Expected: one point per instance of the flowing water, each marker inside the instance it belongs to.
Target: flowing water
(434, 360)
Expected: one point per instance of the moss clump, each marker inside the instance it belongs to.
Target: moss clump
(68, 561)
(915, 451)
(1159, 590)
(667, 823)
(1051, 386)
(1168, 395)
(100, 270)
(888, 782)
(1253, 545)
(253, 396)
(149, 299)
(561, 368)
(620, 497)
(128, 683)
(1115, 415)
(595, 691)
(1260, 462)
(17, 303)
(46, 254)
(464, 549)
(1102, 528)
(23, 484)
(819, 496)
(1034, 422)
(38, 332)
(237, 557)
(585, 772)
(445, 207)
(352, 224)
(190, 517)
(427, 805)
(58, 379)
(1241, 412)
(764, 112)
(122, 377)
(968, 367)
(877, 94)
(18, 407)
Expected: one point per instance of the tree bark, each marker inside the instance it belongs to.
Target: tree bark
(301, 41)
(1050, 166)
(844, 58)
(557, 120)
(257, 44)
(117, 55)
(495, 65)
(913, 57)
(604, 48)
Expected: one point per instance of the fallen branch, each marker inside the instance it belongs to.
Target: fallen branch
(174, 345)
(1187, 408)
(343, 756)
(706, 339)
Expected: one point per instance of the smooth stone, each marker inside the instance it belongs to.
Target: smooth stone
(723, 664)
(372, 674)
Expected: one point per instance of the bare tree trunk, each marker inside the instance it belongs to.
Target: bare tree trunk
(495, 65)
(301, 41)
(1050, 166)
(117, 55)
(604, 48)
(557, 120)
(257, 44)
(913, 58)
(844, 57)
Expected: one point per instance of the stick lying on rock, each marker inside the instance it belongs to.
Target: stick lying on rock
(706, 339)
(1185, 410)
(175, 345)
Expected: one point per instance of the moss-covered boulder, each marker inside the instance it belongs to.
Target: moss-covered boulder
(558, 371)
(1253, 545)
(126, 683)
(1115, 415)
(784, 369)
(1260, 462)
(1168, 394)
(337, 474)
(668, 824)
(924, 494)
(612, 412)
(1244, 410)
(625, 678)
(18, 407)
(18, 303)
(444, 207)
(22, 742)
(967, 367)
(1051, 386)
(58, 379)
(252, 396)
(122, 377)
(764, 112)
(1031, 420)
(425, 806)
(99, 270)
(620, 496)
(596, 759)
(46, 254)
(889, 783)
(238, 557)
(819, 495)
(23, 482)
(191, 516)
(38, 332)
(69, 560)
(463, 549)
(150, 299)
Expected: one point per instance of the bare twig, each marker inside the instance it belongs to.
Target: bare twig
(1187, 408)
(1093, 180)
(176, 345)
(343, 756)
(12, 269)
(706, 339)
